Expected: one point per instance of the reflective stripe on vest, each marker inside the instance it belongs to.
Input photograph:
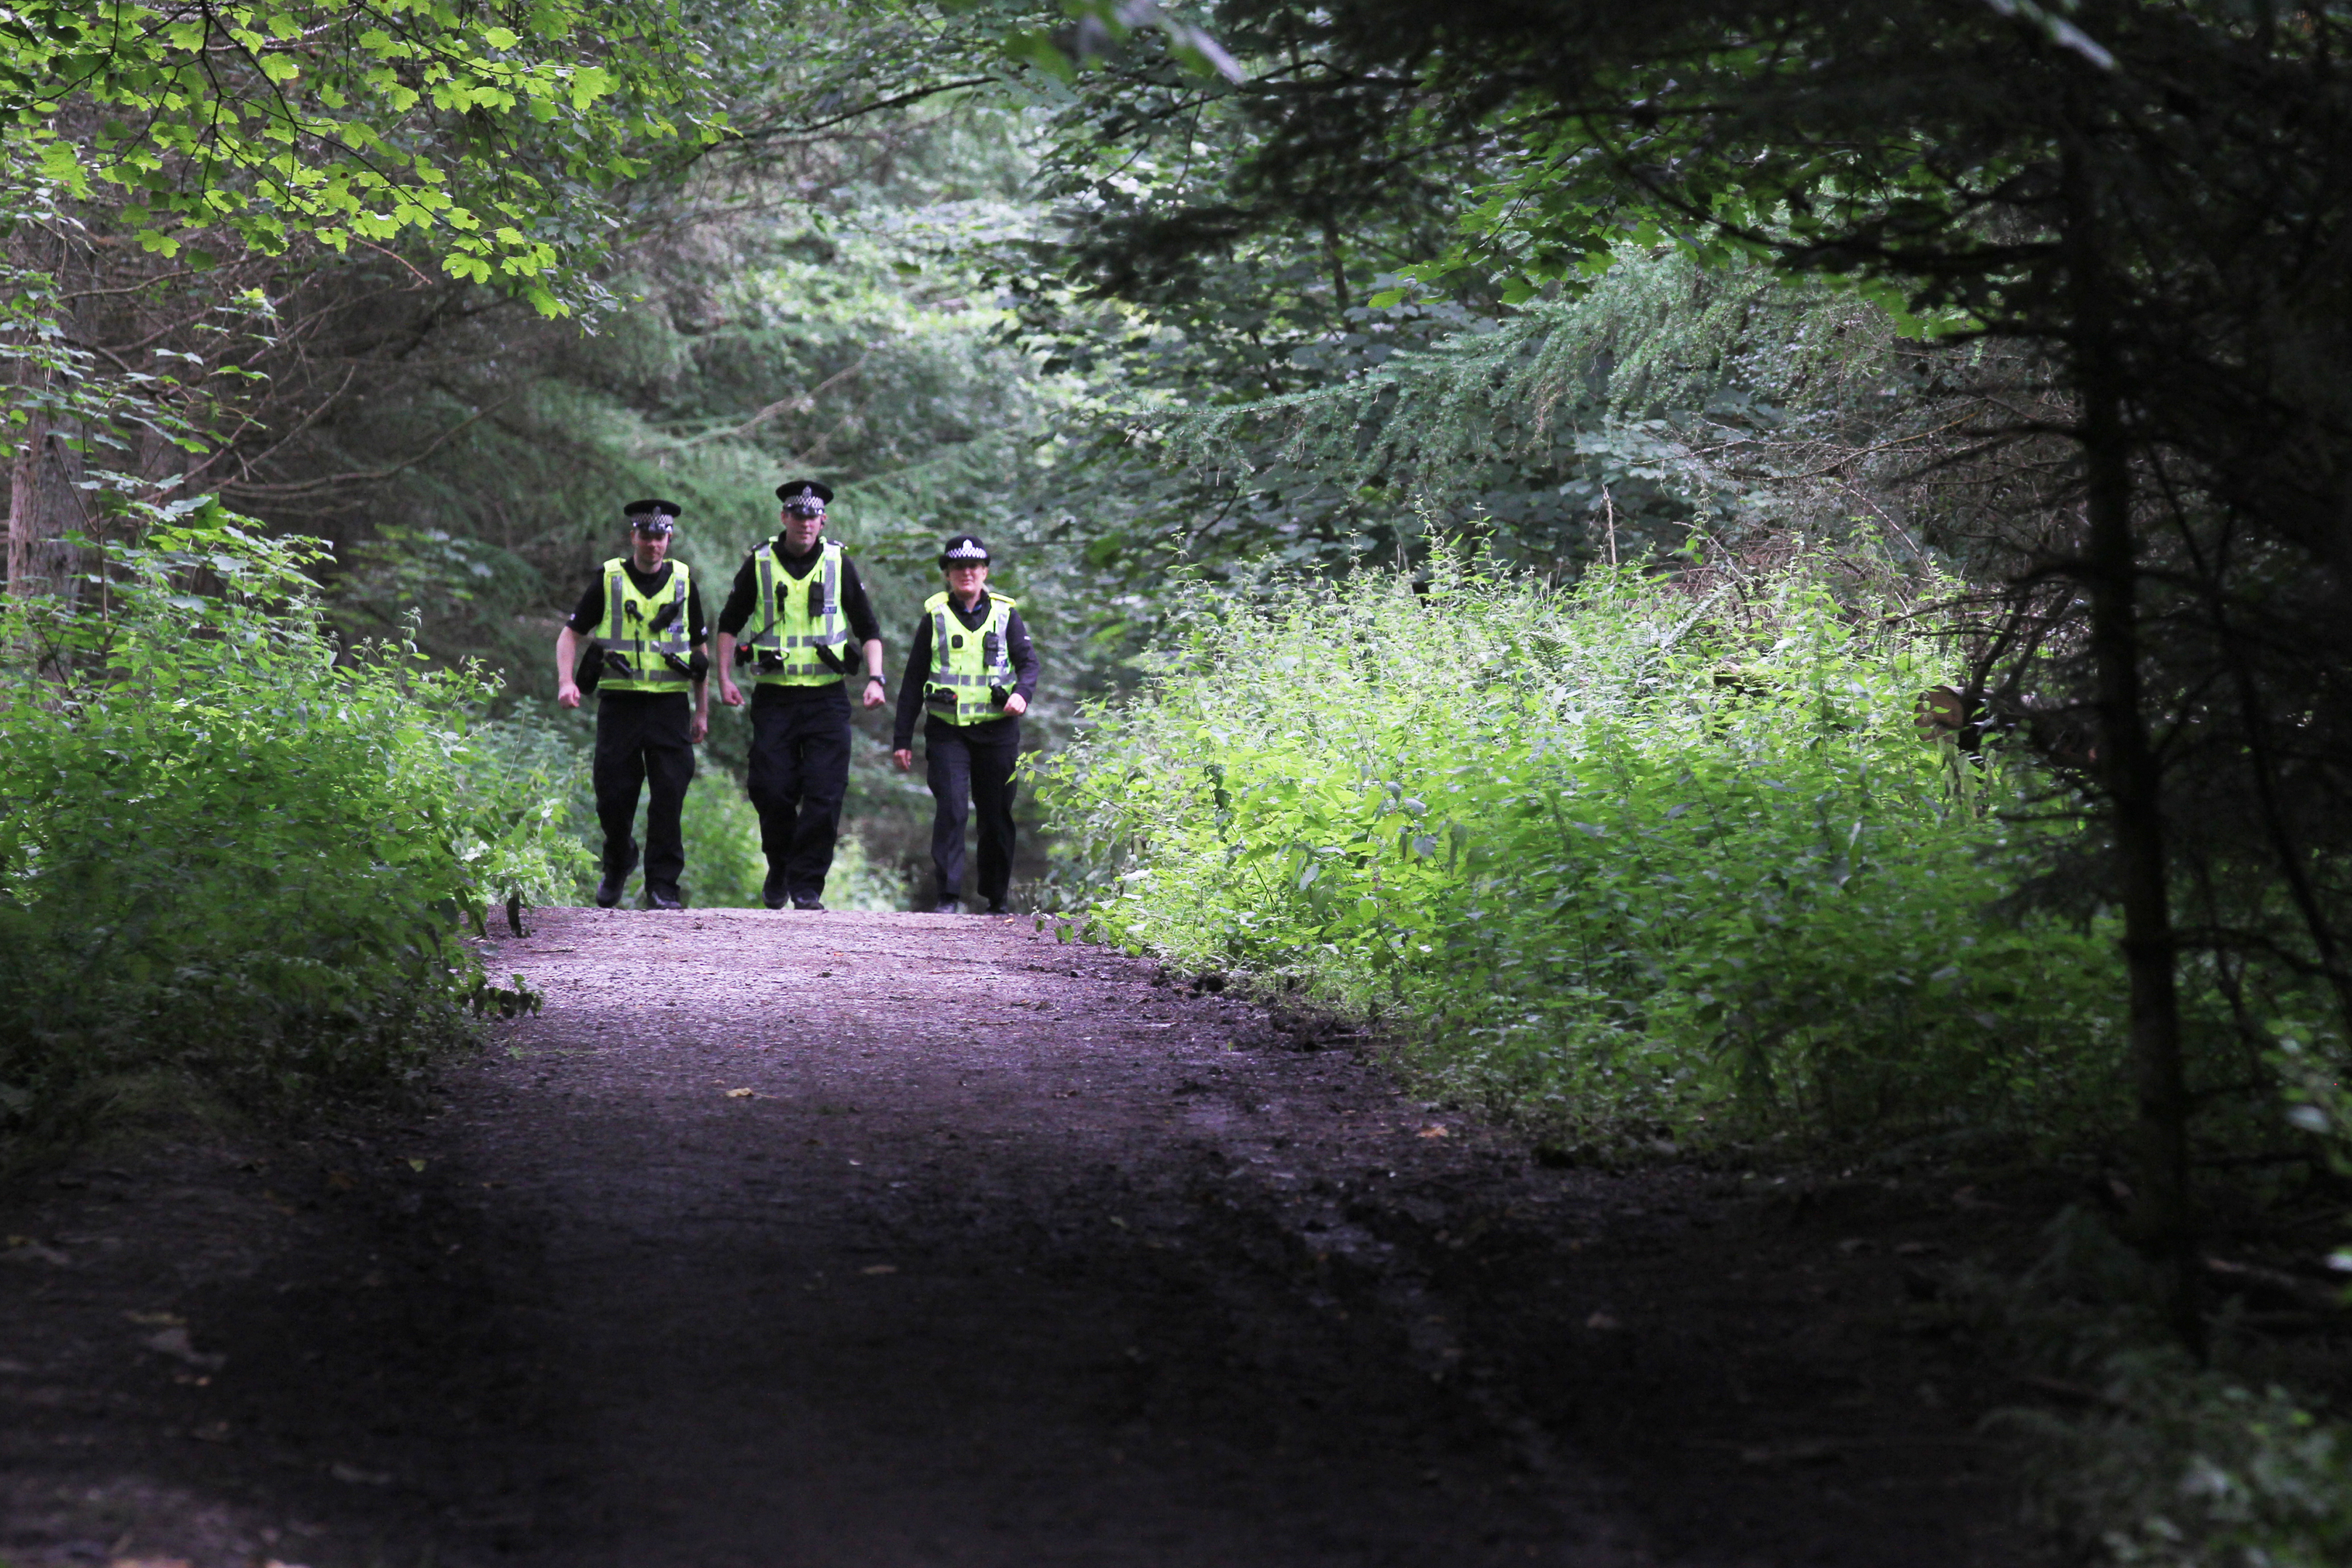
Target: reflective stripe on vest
(966, 664)
(647, 640)
(798, 616)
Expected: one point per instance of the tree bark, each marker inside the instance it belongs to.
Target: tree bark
(45, 507)
(2163, 1218)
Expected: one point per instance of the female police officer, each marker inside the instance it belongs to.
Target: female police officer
(971, 671)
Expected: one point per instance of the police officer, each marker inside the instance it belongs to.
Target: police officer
(971, 671)
(644, 618)
(800, 598)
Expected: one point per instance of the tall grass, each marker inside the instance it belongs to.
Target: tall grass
(1637, 857)
(231, 849)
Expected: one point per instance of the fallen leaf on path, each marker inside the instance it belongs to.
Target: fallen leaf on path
(1854, 1243)
(24, 1250)
(211, 1432)
(148, 1563)
(739, 1094)
(339, 1180)
(879, 1268)
(359, 1477)
(154, 1320)
(175, 1343)
(1600, 1321)
(417, 1165)
(1432, 1133)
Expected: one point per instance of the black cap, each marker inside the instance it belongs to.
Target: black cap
(804, 495)
(963, 550)
(653, 516)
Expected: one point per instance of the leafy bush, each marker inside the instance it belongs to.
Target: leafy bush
(229, 846)
(2152, 1458)
(2191, 1468)
(1642, 856)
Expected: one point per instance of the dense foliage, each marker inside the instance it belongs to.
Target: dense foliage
(1644, 857)
(491, 128)
(238, 851)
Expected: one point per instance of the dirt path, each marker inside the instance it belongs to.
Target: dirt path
(844, 1240)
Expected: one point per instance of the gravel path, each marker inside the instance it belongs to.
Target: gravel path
(841, 1240)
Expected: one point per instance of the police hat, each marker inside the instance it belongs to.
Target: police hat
(804, 495)
(963, 550)
(653, 516)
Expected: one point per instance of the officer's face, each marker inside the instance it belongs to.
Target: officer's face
(801, 530)
(966, 579)
(648, 549)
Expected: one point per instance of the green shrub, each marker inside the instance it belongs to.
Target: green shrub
(2151, 1458)
(230, 847)
(1635, 856)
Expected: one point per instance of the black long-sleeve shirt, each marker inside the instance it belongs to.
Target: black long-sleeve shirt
(743, 598)
(1017, 648)
(588, 619)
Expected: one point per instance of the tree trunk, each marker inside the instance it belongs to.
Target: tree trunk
(2163, 1219)
(46, 507)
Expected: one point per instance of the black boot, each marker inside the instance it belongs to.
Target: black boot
(663, 898)
(772, 890)
(617, 877)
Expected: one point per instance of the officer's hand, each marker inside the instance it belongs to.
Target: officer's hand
(698, 727)
(1016, 705)
(729, 693)
(567, 694)
(875, 695)
(905, 760)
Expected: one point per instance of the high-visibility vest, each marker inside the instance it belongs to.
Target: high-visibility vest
(799, 621)
(966, 664)
(647, 640)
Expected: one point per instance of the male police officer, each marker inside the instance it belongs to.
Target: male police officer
(801, 598)
(972, 670)
(646, 616)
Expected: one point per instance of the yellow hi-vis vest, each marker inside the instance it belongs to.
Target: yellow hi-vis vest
(800, 621)
(965, 665)
(647, 640)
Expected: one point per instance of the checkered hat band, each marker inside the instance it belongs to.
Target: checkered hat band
(967, 552)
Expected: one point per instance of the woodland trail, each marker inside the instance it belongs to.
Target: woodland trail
(1015, 1252)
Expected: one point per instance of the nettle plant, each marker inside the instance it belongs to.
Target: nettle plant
(1643, 855)
(231, 846)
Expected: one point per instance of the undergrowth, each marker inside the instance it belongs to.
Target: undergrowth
(2148, 1458)
(235, 852)
(1636, 859)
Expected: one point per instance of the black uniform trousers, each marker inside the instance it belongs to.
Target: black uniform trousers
(800, 771)
(974, 761)
(641, 740)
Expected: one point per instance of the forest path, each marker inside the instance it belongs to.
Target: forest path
(1013, 1252)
